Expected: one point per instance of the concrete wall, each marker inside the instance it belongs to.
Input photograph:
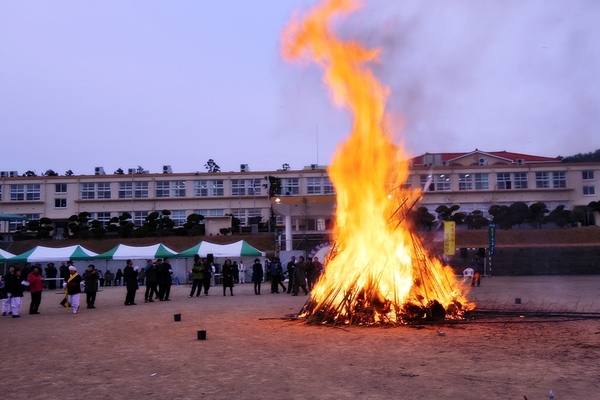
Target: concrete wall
(571, 260)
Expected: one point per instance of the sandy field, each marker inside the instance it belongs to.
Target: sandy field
(118, 352)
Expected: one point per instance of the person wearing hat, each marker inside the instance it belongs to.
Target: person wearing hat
(73, 289)
(51, 273)
(130, 274)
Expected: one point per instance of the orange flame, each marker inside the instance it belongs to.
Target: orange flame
(378, 265)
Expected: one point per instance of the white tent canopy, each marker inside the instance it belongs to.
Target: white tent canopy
(41, 254)
(124, 252)
(237, 249)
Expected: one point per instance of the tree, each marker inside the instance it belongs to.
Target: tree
(212, 166)
(79, 225)
(273, 185)
(285, 167)
(119, 171)
(421, 218)
(476, 220)
(518, 213)
(538, 212)
(235, 223)
(195, 225)
(49, 173)
(41, 227)
(69, 173)
(501, 216)
(585, 157)
(29, 173)
(559, 216)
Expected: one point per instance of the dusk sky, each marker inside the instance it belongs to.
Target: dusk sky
(152, 83)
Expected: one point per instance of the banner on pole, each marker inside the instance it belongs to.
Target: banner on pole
(449, 238)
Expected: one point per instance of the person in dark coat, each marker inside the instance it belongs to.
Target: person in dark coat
(118, 277)
(130, 276)
(257, 275)
(51, 273)
(290, 269)
(18, 288)
(64, 271)
(207, 274)
(166, 280)
(300, 277)
(228, 275)
(9, 281)
(150, 282)
(90, 278)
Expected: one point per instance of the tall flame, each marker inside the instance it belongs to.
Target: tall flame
(378, 271)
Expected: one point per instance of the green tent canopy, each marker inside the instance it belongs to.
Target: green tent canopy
(124, 252)
(237, 249)
(42, 254)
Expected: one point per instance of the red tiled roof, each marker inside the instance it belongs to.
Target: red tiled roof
(502, 154)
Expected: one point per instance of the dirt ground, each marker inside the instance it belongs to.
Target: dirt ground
(250, 353)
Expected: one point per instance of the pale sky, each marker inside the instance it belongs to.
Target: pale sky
(152, 83)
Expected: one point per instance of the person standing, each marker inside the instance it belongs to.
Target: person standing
(300, 277)
(317, 271)
(51, 273)
(73, 288)
(9, 281)
(197, 276)
(64, 271)
(36, 286)
(141, 277)
(207, 274)
(130, 277)
(242, 272)
(477, 263)
(227, 276)
(17, 294)
(90, 279)
(166, 273)
(118, 277)
(150, 282)
(290, 270)
(257, 275)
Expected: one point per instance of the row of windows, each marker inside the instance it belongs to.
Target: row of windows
(504, 181)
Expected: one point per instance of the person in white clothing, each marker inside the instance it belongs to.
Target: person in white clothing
(242, 272)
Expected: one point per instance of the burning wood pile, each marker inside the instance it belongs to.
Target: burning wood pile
(379, 272)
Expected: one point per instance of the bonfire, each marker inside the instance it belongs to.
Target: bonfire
(378, 272)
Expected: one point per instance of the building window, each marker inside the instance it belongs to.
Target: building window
(589, 190)
(14, 225)
(88, 191)
(141, 190)
(559, 179)
(328, 187)
(427, 183)
(163, 189)
(244, 214)
(178, 217)
(542, 180)
(60, 188)
(103, 218)
(208, 188)
(520, 180)
(238, 187)
(503, 181)
(291, 186)
(587, 175)
(60, 203)
(254, 187)
(125, 190)
(465, 182)
(104, 190)
(313, 185)
(139, 217)
(442, 183)
(178, 188)
(482, 181)
(17, 192)
(211, 213)
(33, 192)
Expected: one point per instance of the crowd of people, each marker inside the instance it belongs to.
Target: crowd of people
(156, 276)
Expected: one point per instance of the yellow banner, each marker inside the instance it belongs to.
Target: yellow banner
(449, 238)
